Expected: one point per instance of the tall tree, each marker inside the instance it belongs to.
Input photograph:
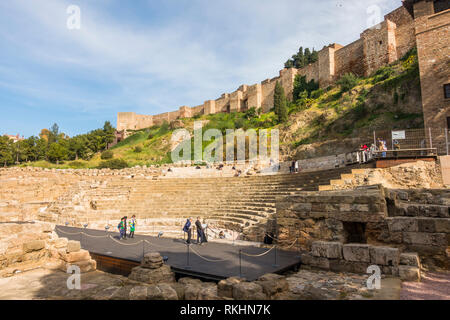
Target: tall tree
(302, 58)
(54, 134)
(57, 152)
(6, 151)
(280, 103)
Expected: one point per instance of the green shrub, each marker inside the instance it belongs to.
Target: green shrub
(347, 82)
(360, 110)
(396, 97)
(76, 164)
(317, 93)
(251, 113)
(137, 149)
(113, 164)
(107, 154)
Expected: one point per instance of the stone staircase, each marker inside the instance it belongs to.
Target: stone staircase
(421, 218)
(347, 180)
(245, 204)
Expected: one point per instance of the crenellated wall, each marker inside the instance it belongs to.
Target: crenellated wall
(378, 46)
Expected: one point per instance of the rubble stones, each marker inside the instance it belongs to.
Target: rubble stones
(225, 287)
(138, 293)
(152, 260)
(273, 284)
(248, 291)
(152, 276)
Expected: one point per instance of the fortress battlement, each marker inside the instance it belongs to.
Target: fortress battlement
(380, 45)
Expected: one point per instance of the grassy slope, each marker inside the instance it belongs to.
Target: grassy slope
(388, 99)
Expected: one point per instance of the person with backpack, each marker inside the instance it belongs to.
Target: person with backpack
(187, 228)
(200, 235)
(132, 226)
(121, 228)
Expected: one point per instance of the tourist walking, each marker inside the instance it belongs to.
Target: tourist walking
(199, 227)
(187, 228)
(121, 228)
(125, 226)
(205, 231)
(132, 226)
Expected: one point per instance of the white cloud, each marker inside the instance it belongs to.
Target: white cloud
(213, 48)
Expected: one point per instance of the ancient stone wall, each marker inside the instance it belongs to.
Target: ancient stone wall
(348, 59)
(411, 220)
(377, 46)
(433, 43)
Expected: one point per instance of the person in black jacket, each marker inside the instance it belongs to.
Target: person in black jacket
(187, 228)
(199, 227)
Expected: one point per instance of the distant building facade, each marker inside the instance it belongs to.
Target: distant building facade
(15, 138)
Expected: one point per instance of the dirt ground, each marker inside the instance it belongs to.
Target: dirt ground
(434, 286)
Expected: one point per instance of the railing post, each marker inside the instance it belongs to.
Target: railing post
(233, 237)
(446, 139)
(275, 264)
(240, 263)
(143, 249)
(187, 257)
(431, 140)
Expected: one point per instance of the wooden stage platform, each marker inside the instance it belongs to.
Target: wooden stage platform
(210, 261)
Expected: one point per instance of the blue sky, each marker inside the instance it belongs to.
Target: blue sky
(151, 56)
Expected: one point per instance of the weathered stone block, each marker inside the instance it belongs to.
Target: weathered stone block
(409, 273)
(327, 249)
(442, 225)
(404, 224)
(273, 284)
(339, 265)
(152, 260)
(61, 243)
(208, 292)
(318, 262)
(73, 246)
(85, 266)
(248, 291)
(356, 252)
(82, 255)
(138, 293)
(168, 292)
(152, 276)
(225, 287)
(425, 238)
(410, 259)
(426, 225)
(385, 256)
(34, 245)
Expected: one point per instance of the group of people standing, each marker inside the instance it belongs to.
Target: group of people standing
(201, 234)
(294, 167)
(123, 227)
(365, 153)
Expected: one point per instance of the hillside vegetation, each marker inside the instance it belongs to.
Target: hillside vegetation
(320, 121)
